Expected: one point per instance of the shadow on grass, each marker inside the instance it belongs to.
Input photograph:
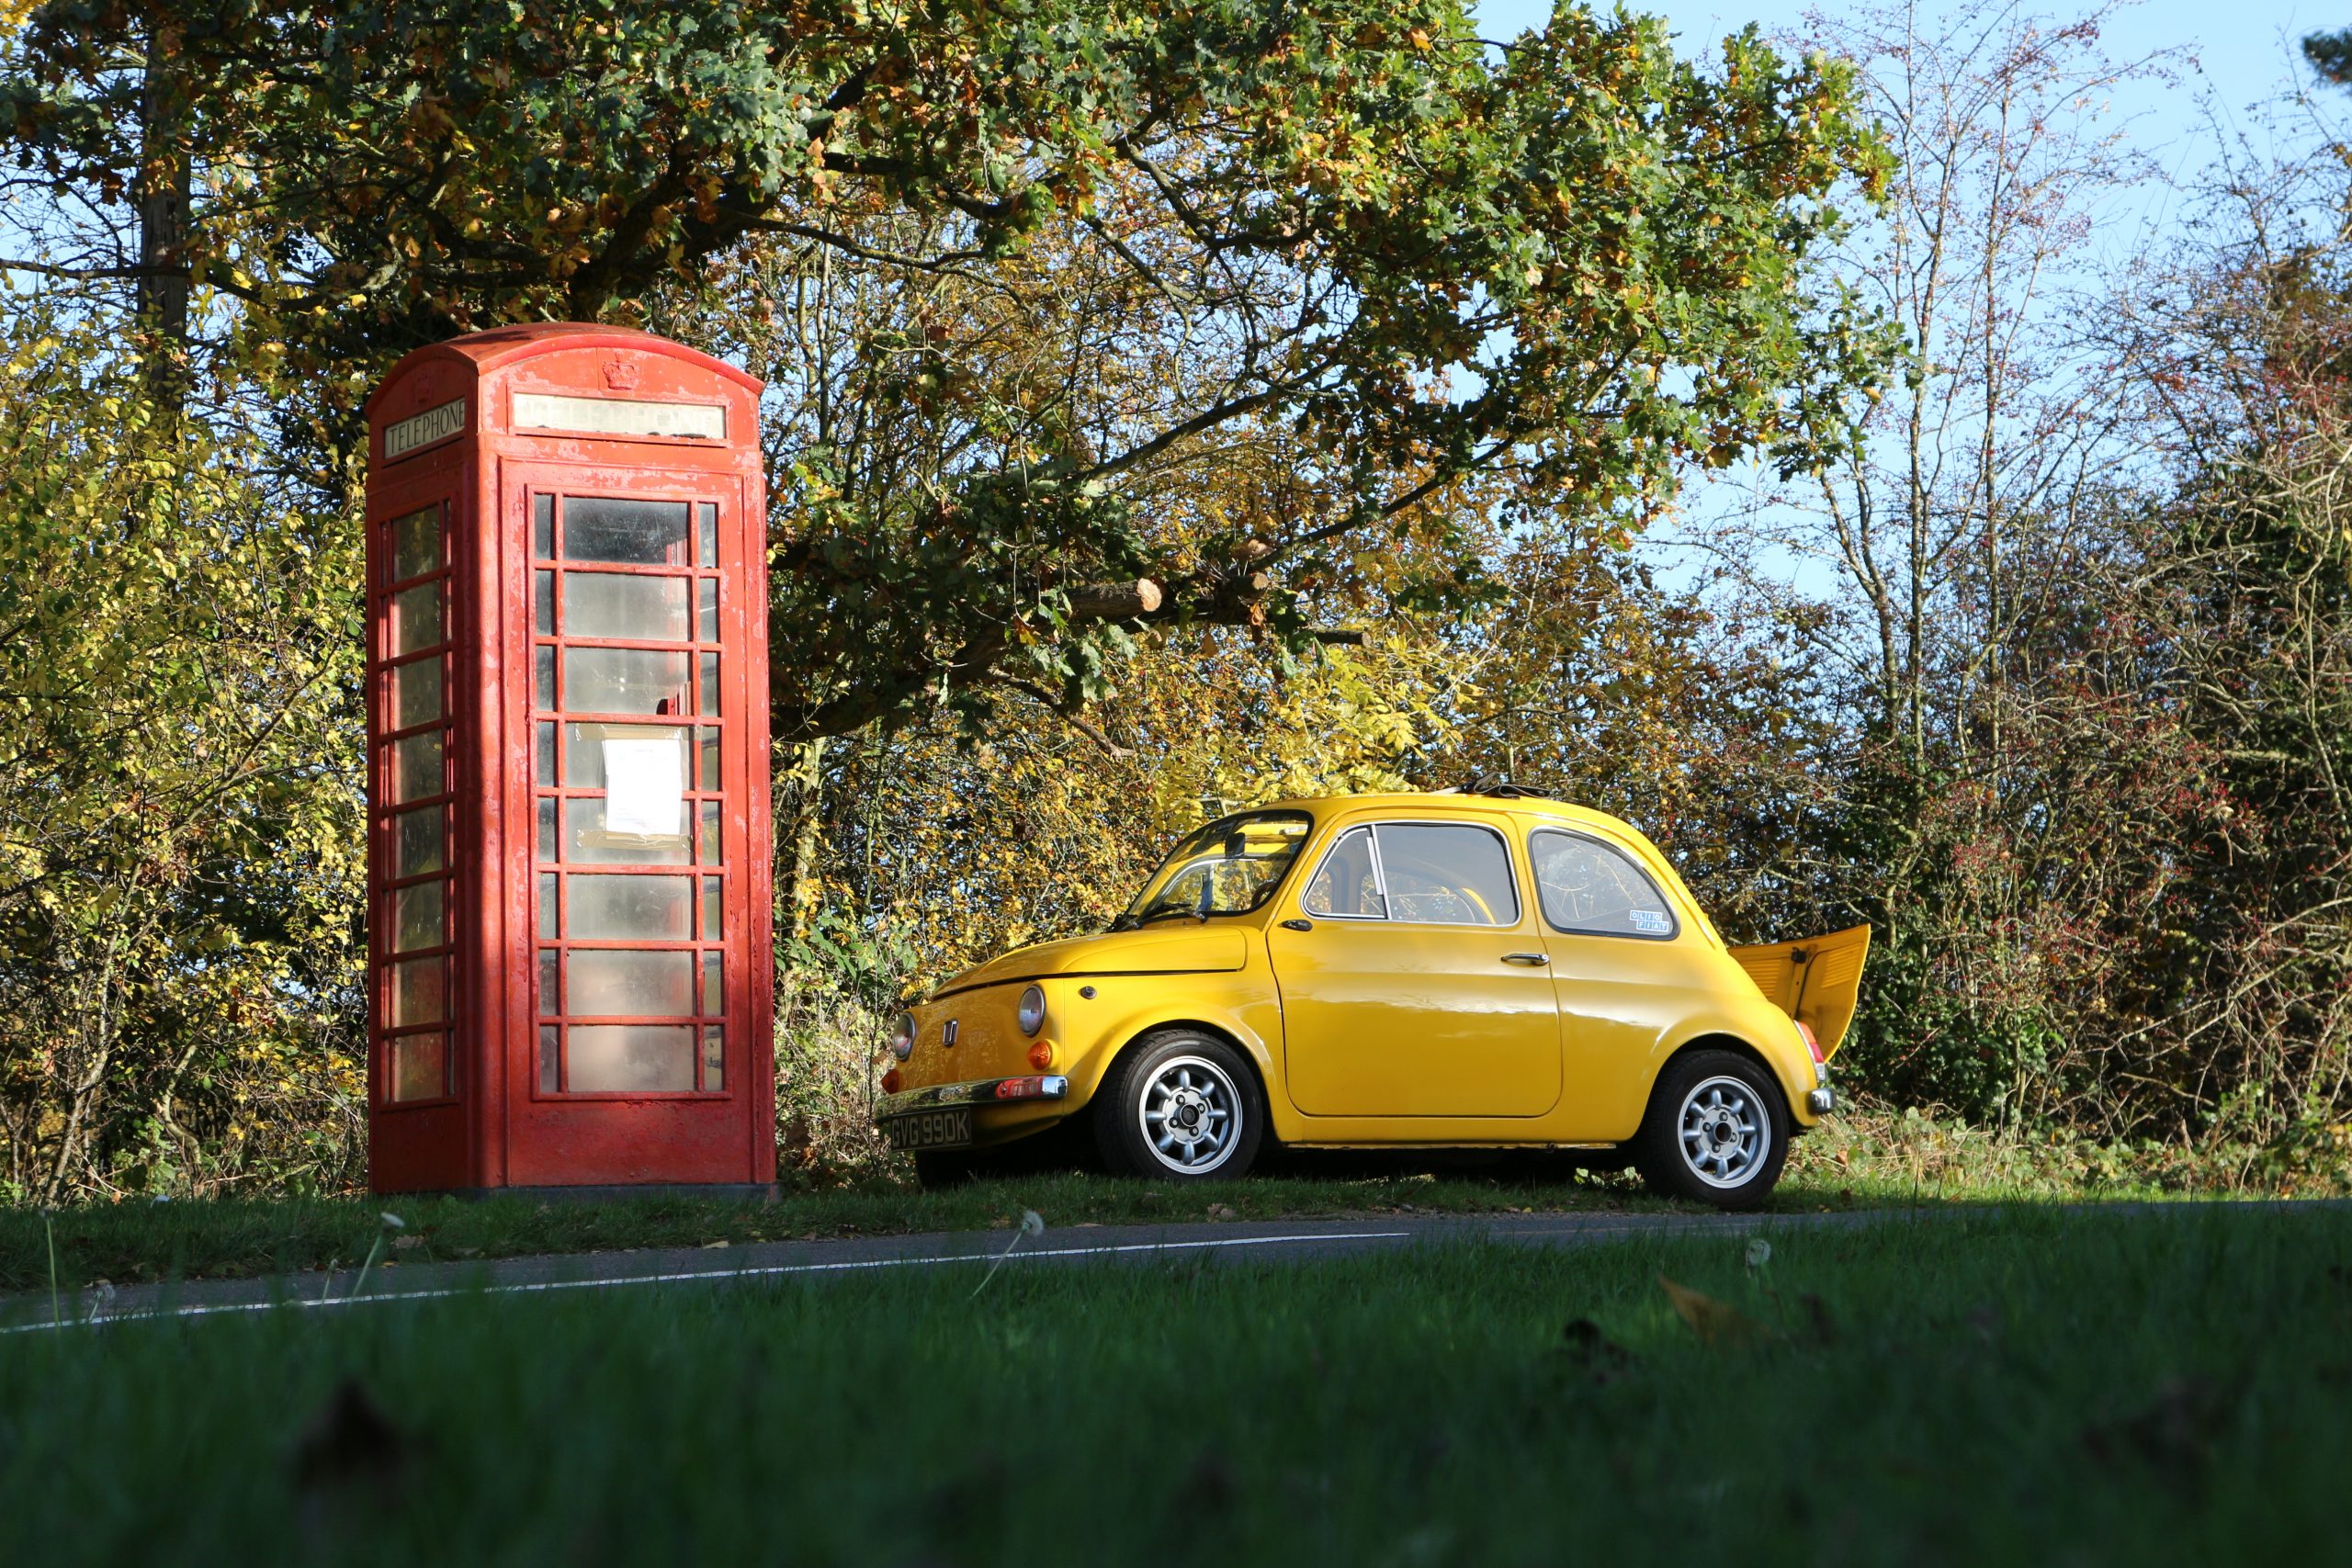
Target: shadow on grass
(139, 1242)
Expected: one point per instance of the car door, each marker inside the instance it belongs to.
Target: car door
(1413, 980)
(1622, 970)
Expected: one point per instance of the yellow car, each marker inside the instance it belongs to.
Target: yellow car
(1391, 971)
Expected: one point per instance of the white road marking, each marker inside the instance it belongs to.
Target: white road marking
(530, 1287)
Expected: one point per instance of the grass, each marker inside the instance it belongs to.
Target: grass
(1861, 1161)
(133, 1243)
(2009, 1385)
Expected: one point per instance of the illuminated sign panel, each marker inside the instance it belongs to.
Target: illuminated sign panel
(618, 416)
(422, 430)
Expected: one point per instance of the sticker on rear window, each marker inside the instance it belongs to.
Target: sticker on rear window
(1649, 922)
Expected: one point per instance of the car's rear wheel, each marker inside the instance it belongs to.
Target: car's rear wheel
(1717, 1131)
(1183, 1106)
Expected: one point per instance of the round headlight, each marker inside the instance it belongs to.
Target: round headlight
(1033, 1009)
(902, 1042)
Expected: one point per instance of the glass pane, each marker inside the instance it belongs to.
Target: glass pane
(624, 1058)
(416, 766)
(607, 603)
(420, 1067)
(547, 831)
(551, 1057)
(624, 680)
(584, 749)
(707, 519)
(713, 994)
(599, 983)
(710, 759)
(1588, 887)
(713, 923)
(417, 917)
(585, 841)
(543, 527)
(1345, 886)
(543, 679)
(542, 603)
(709, 814)
(714, 1059)
(710, 682)
(548, 904)
(543, 772)
(416, 618)
(416, 692)
(630, 533)
(550, 983)
(417, 842)
(1446, 875)
(708, 596)
(416, 543)
(417, 992)
(632, 908)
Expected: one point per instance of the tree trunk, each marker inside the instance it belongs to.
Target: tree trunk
(164, 176)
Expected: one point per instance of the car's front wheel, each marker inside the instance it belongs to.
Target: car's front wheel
(1180, 1105)
(1717, 1131)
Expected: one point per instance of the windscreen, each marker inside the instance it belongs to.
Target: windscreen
(1229, 867)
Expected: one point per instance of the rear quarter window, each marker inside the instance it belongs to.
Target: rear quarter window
(1589, 888)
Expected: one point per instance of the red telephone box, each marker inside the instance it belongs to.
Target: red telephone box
(569, 847)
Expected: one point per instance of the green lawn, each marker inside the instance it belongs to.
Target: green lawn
(2003, 1386)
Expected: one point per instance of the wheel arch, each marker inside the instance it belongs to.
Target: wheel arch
(1718, 1039)
(1251, 1053)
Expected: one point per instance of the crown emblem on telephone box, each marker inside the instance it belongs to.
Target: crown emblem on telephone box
(621, 375)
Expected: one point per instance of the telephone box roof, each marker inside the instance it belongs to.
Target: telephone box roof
(500, 347)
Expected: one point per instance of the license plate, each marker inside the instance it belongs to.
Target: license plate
(947, 1129)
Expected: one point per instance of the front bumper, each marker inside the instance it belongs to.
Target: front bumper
(980, 1093)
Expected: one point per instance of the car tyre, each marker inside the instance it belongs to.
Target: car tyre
(1179, 1106)
(1717, 1132)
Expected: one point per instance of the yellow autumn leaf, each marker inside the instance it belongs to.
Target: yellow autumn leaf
(1714, 1322)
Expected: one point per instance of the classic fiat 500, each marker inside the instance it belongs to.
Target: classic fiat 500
(1391, 971)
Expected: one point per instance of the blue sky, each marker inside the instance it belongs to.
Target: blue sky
(2234, 54)
(2245, 48)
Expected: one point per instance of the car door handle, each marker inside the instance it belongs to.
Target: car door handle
(1533, 959)
(1299, 925)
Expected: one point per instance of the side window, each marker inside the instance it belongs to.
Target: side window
(1587, 888)
(1447, 874)
(1346, 885)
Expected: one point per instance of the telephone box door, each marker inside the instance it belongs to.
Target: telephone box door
(637, 791)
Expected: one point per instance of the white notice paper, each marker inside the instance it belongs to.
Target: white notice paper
(645, 786)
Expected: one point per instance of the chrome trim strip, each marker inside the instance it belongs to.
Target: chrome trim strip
(977, 1092)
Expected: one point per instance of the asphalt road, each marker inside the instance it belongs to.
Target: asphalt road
(705, 1268)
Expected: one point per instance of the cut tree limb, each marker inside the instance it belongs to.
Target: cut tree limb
(1115, 601)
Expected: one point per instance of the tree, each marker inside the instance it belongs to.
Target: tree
(1572, 257)
(180, 843)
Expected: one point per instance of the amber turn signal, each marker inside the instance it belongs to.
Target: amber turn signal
(1041, 1054)
(890, 1081)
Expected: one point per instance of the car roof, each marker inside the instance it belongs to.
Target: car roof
(1452, 800)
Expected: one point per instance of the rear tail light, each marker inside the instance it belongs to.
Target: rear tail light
(1041, 1054)
(1811, 1043)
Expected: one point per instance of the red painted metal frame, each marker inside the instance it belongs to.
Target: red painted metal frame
(493, 1128)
